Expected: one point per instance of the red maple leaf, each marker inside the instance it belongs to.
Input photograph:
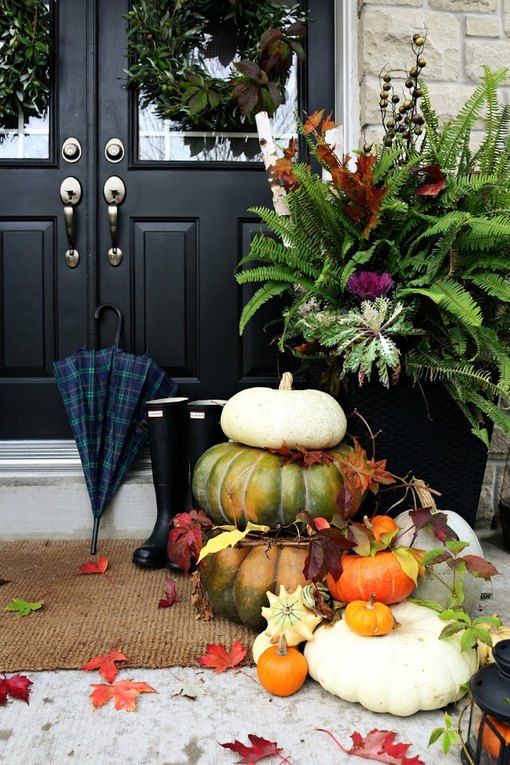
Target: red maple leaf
(434, 184)
(170, 594)
(124, 693)
(106, 664)
(218, 658)
(16, 686)
(378, 745)
(185, 538)
(260, 749)
(91, 567)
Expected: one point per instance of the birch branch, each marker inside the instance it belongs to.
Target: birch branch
(270, 155)
(335, 140)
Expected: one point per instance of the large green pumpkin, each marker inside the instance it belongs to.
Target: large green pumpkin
(236, 579)
(236, 484)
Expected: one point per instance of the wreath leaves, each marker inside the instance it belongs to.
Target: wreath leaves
(168, 42)
(25, 57)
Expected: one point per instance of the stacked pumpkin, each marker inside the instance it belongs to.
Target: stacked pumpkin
(245, 481)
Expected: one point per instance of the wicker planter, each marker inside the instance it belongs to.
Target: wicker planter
(423, 432)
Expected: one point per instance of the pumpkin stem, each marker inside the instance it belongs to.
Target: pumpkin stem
(286, 381)
(367, 522)
(371, 601)
(282, 647)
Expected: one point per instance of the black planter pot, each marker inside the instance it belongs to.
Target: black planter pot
(504, 517)
(423, 432)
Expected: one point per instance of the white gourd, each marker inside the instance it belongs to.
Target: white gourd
(430, 588)
(408, 670)
(260, 644)
(269, 418)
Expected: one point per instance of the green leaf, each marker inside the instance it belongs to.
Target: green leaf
(451, 629)
(433, 604)
(408, 562)
(22, 607)
(435, 735)
(483, 635)
(190, 690)
(468, 640)
(432, 556)
(455, 614)
(456, 546)
(458, 301)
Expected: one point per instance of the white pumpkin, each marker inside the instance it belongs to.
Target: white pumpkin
(260, 644)
(401, 673)
(269, 418)
(430, 588)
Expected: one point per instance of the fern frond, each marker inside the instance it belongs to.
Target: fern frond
(274, 274)
(493, 284)
(261, 296)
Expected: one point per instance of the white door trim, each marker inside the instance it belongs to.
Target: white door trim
(347, 105)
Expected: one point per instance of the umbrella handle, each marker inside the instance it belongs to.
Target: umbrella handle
(95, 533)
(118, 330)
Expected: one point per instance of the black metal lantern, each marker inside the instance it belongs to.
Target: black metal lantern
(488, 736)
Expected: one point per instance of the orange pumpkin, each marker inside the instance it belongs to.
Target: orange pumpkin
(361, 576)
(369, 618)
(282, 670)
(490, 742)
(381, 524)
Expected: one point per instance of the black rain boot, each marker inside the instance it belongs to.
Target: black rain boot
(204, 430)
(168, 425)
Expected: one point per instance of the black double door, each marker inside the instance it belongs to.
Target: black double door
(181, 228)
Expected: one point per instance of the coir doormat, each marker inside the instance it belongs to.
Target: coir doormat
(88, 615)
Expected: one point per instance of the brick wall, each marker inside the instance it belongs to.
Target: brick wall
(461, 36)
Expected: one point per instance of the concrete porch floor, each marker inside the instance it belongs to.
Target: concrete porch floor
(60, 726)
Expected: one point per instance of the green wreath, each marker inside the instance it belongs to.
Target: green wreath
(25, 56)
(168, 43)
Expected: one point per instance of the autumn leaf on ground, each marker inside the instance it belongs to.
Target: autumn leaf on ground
(91, 567)
(378, 745)
(200, 599)
(218, 658)
(170, 594)
(22, 607)
(260, 749)
(4, 581)
(106, 664)
(189, 690)
(124, 694)
(16, 686)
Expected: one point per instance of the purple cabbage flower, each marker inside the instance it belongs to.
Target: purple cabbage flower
(369, 285)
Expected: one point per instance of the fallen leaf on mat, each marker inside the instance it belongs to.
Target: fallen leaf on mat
(106, 664)
(91, 567)
(189, 690)
(218, 658)
(16, 686)
(170, 594)
(260, 749)
(22, 607)
(200, 599)
(378, 745)
(4, 581)
(124, 693)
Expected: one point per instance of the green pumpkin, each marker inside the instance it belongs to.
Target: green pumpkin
(237, 579)
(236, 484)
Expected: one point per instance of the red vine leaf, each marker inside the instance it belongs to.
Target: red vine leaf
(378, 745)
(325, 554)
(16, 686)
(260, 749)
(479, 567)
(170, 594)
(218, 658)
(436, 522)
(185, 538)
(93, 567)
(435, 182)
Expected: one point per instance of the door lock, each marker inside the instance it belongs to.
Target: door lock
(71, 150)
(114, 193)
(114, 150)
(70, 194)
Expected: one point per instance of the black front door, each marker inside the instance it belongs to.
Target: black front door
(181, 227)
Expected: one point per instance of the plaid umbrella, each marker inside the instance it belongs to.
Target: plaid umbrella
(104, 393)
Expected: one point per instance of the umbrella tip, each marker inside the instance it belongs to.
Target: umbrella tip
(95, 533)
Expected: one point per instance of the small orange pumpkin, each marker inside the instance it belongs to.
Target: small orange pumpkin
(361, 576)
(282, 670)
(490, 742)
(369, 618)
(380, 524)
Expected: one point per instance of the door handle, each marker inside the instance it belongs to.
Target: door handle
(70, 194)
(114, 193)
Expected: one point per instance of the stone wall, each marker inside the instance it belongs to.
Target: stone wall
(461, 36)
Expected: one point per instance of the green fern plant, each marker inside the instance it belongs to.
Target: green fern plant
(435, 215)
